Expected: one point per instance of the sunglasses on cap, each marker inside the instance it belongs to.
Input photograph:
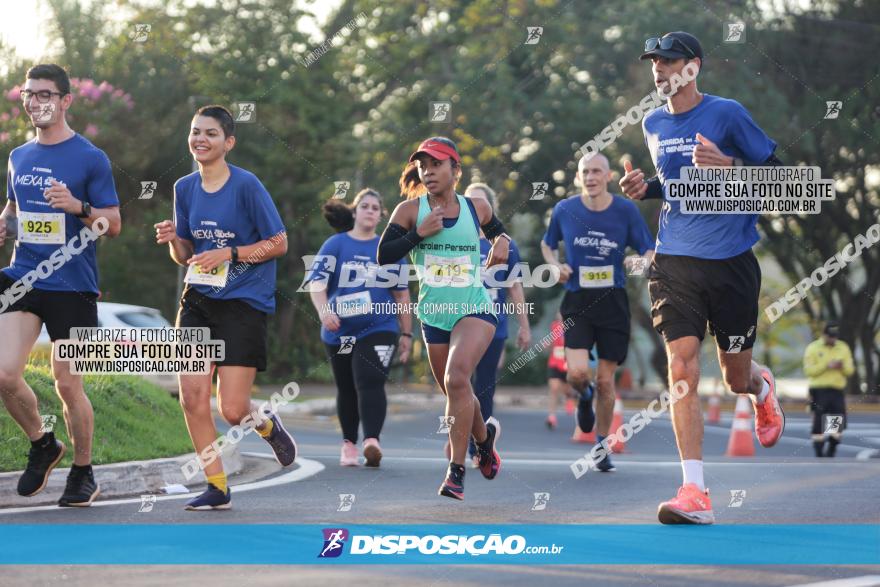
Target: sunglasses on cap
(668, 43)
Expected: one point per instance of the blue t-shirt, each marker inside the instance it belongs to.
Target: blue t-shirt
(671, 139)
(85, 170)
(354, 282)
(499, 275)
(596, 242)
(240, 213)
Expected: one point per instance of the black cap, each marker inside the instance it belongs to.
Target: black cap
(832, 329)
(677, 51)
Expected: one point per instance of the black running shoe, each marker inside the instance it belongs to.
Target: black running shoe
(41, 461)
(490, 460)
(282, 442)
(211, 499)
(453, 485)
(605, 464)
(81, 489)
(585, 416)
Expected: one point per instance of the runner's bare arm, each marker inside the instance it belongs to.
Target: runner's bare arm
(60, 198)
(264, 250)
(8, 212)
(551, 257)
(111, 215)
(180, 249)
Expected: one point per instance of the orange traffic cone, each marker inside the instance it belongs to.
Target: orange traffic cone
(713, 414)
(616, 423)
(742, 442)
(583, 437)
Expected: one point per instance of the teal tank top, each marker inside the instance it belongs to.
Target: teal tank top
(448, 267)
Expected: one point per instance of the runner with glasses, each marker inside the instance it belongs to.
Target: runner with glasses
(59, 186)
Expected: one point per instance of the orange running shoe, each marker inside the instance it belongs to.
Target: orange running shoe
(769, 418)
(689, 506)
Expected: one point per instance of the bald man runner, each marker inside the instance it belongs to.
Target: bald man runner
(596, 228)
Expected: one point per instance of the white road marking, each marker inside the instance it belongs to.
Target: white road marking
(868, 453)
(306, 468)
(865, 581)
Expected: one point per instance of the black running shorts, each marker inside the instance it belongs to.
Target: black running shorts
(241, 326)
(598, 316)
(687, 293)
(59, 310)
(827, 402)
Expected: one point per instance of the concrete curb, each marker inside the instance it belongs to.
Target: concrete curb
(118, 479)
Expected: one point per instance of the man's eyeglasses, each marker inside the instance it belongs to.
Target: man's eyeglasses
(667, 43)
(43, 96)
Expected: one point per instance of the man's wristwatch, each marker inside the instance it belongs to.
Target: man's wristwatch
(234, 255)
(86, 210)
(407, 334)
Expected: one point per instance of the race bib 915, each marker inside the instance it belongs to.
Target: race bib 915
(597, 276)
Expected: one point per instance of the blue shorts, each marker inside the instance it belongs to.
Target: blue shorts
(434, 335)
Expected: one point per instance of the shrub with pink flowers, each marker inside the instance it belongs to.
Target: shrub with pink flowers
(97, 108)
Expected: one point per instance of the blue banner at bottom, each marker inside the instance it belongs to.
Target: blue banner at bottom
(531, 544)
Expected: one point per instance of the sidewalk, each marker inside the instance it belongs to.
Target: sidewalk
(136, 478)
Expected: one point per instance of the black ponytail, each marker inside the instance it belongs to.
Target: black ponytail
(339, 215)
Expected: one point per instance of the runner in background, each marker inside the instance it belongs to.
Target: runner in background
(228, 233)
(596, 228)
(356, 304)
(557, 374)
(58, 185)
(500, 284)
(828, 363)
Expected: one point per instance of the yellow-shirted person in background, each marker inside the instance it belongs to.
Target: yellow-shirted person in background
(828, 363)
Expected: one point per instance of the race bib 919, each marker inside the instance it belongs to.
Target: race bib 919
(448, 271)
(41, 228)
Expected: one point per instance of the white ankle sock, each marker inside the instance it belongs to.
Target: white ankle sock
(693, 473)
(765, 390)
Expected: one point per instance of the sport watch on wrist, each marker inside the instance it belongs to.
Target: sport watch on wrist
(86, 210)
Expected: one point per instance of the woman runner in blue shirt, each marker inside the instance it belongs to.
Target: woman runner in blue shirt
(357, 307)
(228, 232)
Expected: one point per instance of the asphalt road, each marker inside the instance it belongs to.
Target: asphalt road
(782, 485)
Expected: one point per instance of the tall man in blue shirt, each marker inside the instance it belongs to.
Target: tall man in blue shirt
(61, 198)
(704, 270)
(596, 228)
